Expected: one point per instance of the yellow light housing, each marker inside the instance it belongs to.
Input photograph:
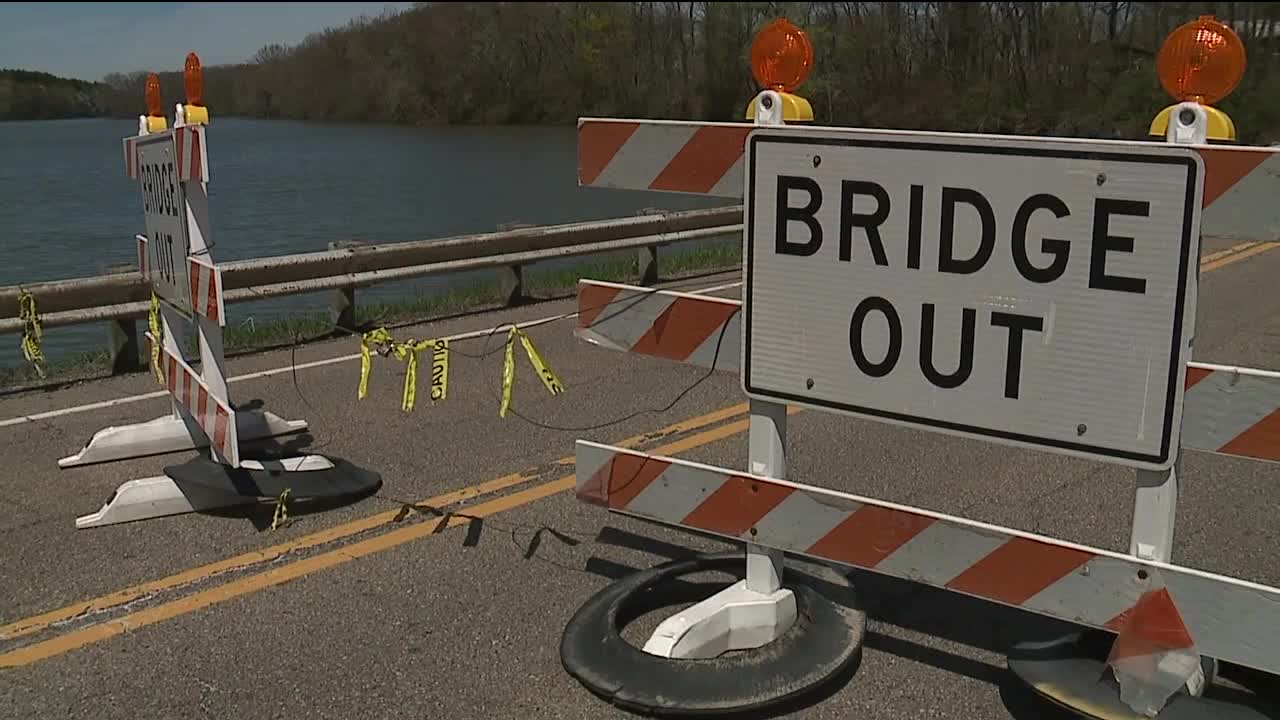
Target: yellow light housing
(794, 108)
(1220, 128)
(1200, 62)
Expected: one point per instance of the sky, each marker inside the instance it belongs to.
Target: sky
(89, 40)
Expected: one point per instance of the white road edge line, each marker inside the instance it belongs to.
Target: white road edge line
(24, 419)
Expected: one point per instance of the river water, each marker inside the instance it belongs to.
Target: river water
(67, 209)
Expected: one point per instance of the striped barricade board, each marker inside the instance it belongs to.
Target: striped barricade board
(701, 158)
(214, 415)
(1229, 619)
(1227, 410)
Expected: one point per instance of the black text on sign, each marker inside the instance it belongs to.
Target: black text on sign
(1030, 291)
(865, 205)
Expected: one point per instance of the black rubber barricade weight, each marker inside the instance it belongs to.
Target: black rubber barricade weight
(824, 642)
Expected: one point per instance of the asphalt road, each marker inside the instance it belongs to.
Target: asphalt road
(415, 617)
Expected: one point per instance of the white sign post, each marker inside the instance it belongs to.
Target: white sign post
(1028, 293)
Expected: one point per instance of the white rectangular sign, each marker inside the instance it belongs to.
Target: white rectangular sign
(1030, 292)
(165, 208)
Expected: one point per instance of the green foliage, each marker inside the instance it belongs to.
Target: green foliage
(1068, 68)
(29, 95)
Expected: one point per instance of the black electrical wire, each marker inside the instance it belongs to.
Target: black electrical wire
(298, 340)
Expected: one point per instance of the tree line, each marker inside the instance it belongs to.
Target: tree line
(1066, 68)
(30, 95)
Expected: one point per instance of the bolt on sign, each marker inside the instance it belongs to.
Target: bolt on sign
(1038, 293)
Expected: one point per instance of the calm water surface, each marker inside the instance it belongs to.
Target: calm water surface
(276, 187)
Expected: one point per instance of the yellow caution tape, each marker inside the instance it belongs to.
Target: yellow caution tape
(32, 331)
(281, 515)
(374, 337)
(508, 373)
(157, 336)
(545, 373)
(440, 370)
(549, 379)
(409, 352)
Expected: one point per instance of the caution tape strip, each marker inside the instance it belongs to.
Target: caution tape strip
(545, 373)
(408, 352)
(373, 337)
(382, 342)
(440, 371)
(280, 517)
(32, 331)
(157, 334)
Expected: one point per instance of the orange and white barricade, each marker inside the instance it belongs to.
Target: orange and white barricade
(1035, 292)
(171, 167)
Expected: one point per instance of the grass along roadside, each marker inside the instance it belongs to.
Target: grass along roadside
(248, 335)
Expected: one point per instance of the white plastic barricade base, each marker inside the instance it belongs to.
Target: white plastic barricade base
(736, 618)
(170, 434)
(306, 476)
(155, 497)
(749, 614)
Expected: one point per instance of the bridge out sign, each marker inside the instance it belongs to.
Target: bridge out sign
(164, 207)
(1033, 292)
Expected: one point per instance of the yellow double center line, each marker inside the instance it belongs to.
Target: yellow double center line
(322, 561)
(1235, 253)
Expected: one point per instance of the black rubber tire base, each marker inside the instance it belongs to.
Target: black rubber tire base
(825, 640)
(1071, 672)
(342, 480)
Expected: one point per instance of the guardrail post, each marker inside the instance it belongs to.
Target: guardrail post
(342, 309)
(511, 284)
(123, 348)
(511, 277)
(647, 262)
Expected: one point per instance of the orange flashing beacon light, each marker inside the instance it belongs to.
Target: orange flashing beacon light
(194, 111)
(1201, 62)
(781, 60)
(155, 119)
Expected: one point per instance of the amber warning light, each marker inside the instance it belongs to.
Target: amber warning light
(1202, 61)
(781, 60)
(781, 56)
(193, 77)
(195, 112)
(155, 103)
(154, 121)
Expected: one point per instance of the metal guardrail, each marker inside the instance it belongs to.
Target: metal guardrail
(122, 298)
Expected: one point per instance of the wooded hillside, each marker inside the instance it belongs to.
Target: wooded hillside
(27, 95)
(1070, 68)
